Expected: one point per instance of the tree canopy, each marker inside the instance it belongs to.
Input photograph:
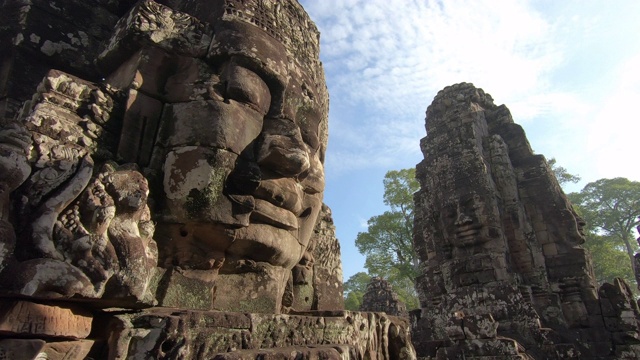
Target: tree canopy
(611, 209)
(561, 173)
(354, 290)
(387, 242)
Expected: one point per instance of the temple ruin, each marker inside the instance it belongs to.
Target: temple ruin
(161, 197)
(504, 274)
(380, 297)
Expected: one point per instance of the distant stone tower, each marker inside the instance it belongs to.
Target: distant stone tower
(503, 270)
(380, 297)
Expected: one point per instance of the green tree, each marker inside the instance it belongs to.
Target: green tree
(354, 290)
(561, 173)
(387, 241)
(611, 207)
(610, 260)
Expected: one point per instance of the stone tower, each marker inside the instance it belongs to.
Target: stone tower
(503, 269)
(380, 297)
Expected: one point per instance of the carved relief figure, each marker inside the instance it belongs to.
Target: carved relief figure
(223, 106)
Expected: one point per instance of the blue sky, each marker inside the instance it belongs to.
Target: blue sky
(568, 70)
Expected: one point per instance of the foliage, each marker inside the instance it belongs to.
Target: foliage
(609, 259)
(354, 290)
(387, 243)
(561, 173)
(353, 301)
(357, 283)
(611, 208)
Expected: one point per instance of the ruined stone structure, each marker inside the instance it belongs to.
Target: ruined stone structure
(503, 271)
(380, 297)
(161, 186)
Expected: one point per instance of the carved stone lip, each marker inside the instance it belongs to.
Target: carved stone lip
(268, 213)
(467, 231)
(282, 193)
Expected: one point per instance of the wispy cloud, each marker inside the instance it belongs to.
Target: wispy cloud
(568, 71)
(389, 58)
(386, 60)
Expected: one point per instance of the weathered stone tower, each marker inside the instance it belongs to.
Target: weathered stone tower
(503, 270)
(380, 297)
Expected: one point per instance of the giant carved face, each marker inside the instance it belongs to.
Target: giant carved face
(466, 200)
(242, 172)
(468, 220)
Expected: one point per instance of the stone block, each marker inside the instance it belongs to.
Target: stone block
(596, 321)
(602, 349)
(24, 318)
(46, 34)
(95, 20)
(57, 123)
(480, 327)
(139, 128)
(301, 352)
(20, 348)
(222, 125)
(67, 350)
(146, 70)
(303, 297)
(152, 24)
(21, 73)
(157, 332)
(616, 324)
(117, 7)
(550, 249)
(566, 351)
(9, 109)
(607, 308)
(328, 289)
(192, 79)
(179, 291)
(264, 297)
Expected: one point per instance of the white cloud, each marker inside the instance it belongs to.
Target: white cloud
(393, 56)
(612, 136)
(385, 60)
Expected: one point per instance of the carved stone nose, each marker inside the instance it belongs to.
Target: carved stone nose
(281, 148)
(463, 219)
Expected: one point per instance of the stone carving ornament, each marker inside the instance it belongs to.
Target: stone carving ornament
(223, 107)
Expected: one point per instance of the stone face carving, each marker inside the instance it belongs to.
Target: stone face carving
(500, 244)
(175, 163)
(232, 142)
(265, 122)
(316, 281)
